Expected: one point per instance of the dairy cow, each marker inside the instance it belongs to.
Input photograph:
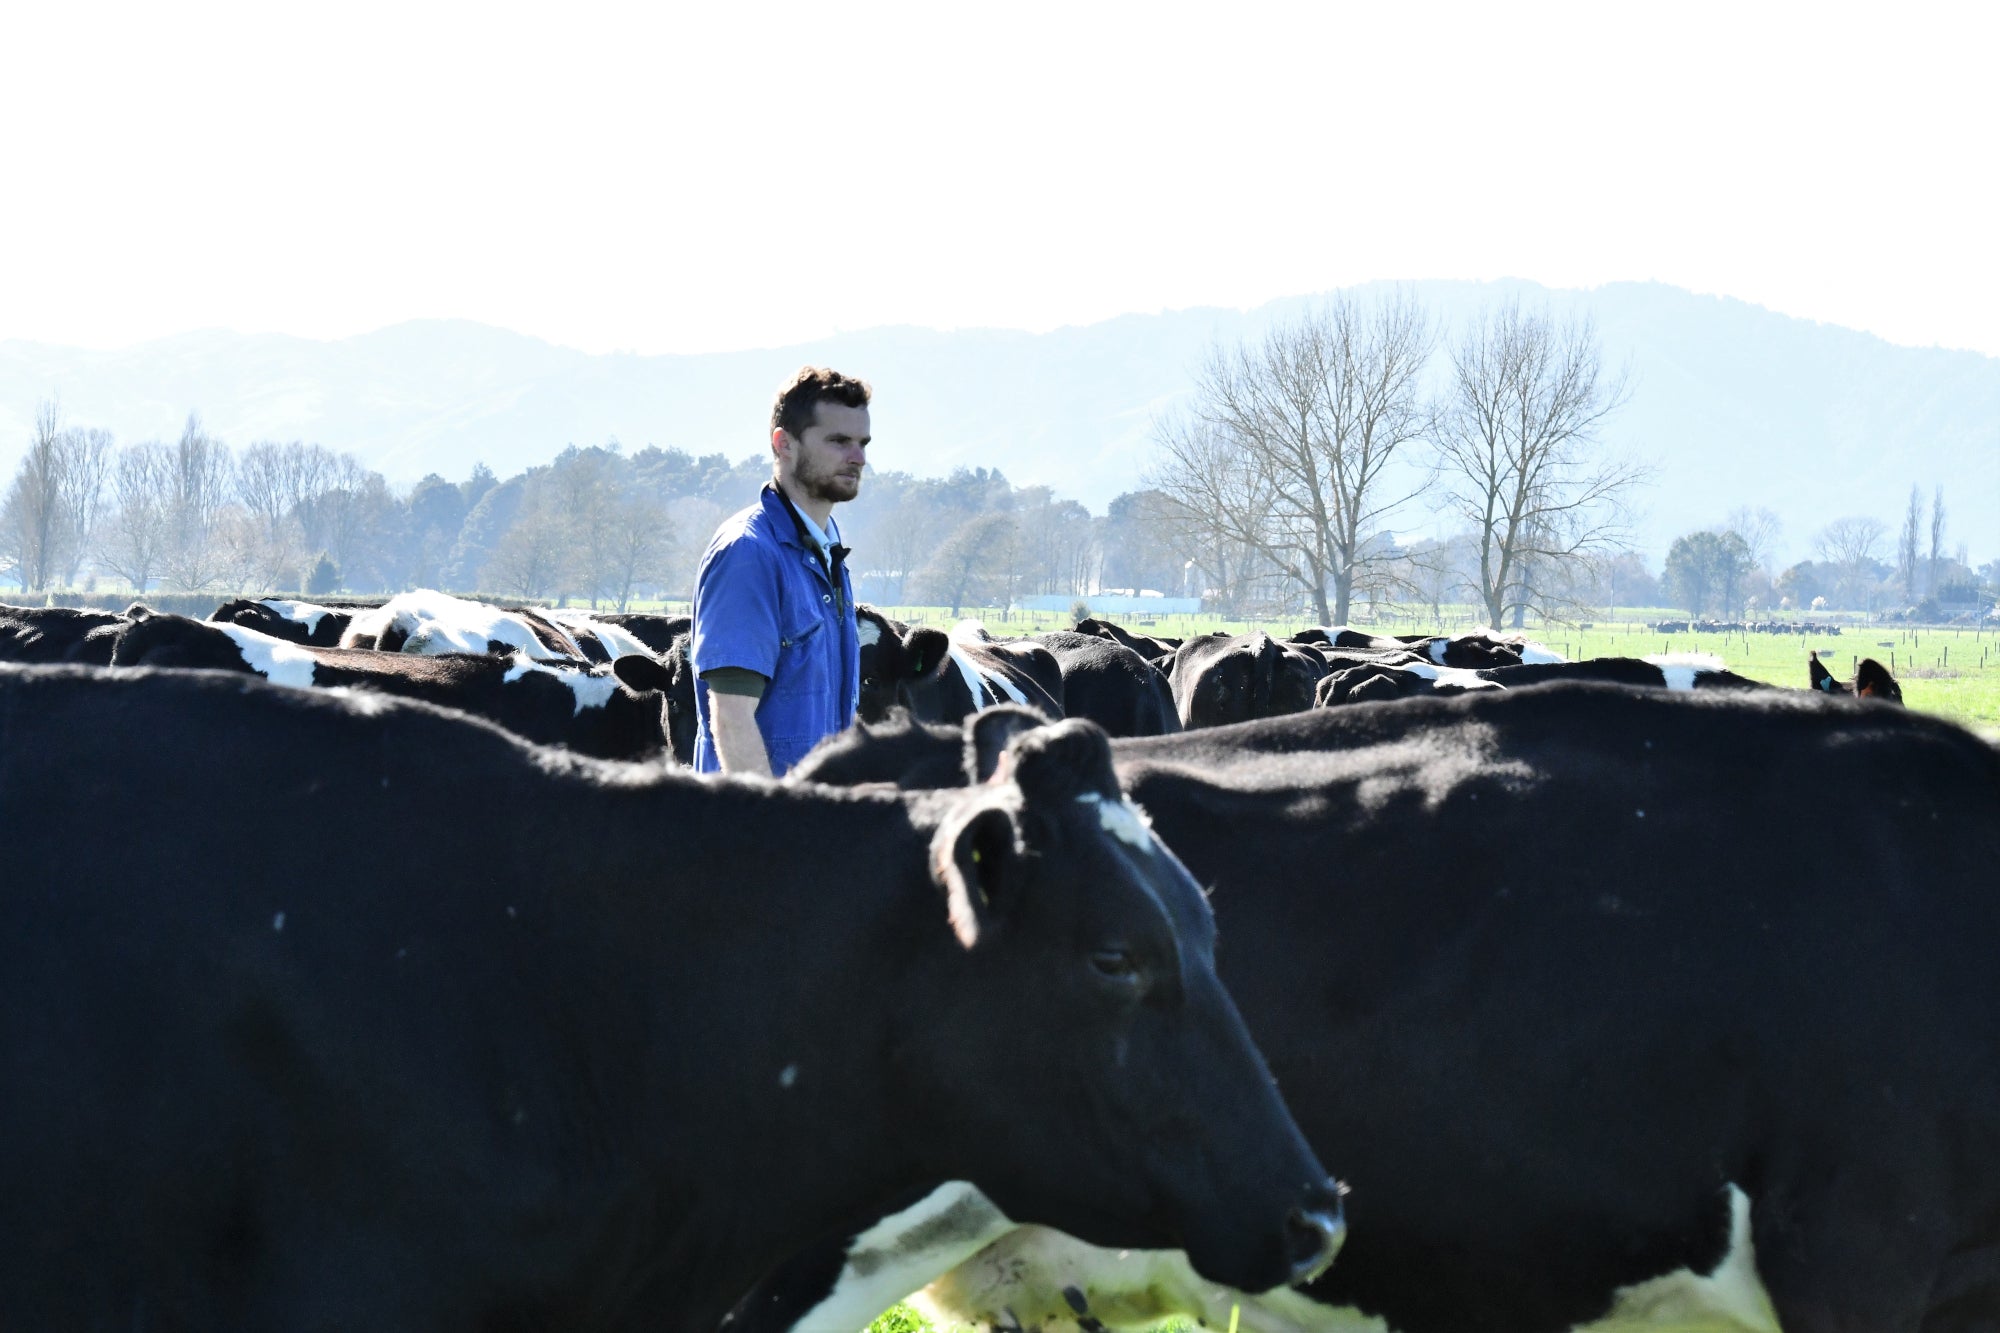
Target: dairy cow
(283, 618)
(1375, 681)
(427, 621)
(940, 677)
(1111, 685)
(616, 712)
(539, 1075)
(50, 634)
(1871, 680)
(1580, 1081)
(1223, 678)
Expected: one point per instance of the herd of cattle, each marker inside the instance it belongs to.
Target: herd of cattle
(1049, 992)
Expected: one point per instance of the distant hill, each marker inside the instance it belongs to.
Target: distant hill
(1736, 404)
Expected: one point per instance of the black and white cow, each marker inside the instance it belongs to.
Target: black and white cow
(615, 712)
(940, 677)
(1580, 1079)
(1151, 647)
(51, 634)
(282, 618)
(426, 621)
(601, 1045)
(1871, 680)
(1111, 685)
(598, 638)
(1476, 650)
(1223, 678)
(1373, 682)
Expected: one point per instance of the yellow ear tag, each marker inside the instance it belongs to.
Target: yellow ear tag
(1234, 1311)
(975, 856)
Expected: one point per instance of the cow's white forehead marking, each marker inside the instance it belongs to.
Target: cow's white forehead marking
(590, 689)
(277, 660)
(870, 632)
(1438, 647)
(1122, 820)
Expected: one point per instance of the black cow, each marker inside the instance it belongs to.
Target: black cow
(299, 622)
(596, 1044)
(615, 712)
(51, 634)
(1871, 680)
(1154, 649)
(1578, 1075)
(657, 632)
(941, 677)
(1223, 678)
(1111, 685)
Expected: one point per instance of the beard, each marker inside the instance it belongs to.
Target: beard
(830, 484)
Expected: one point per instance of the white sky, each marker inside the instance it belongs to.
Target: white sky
(664, 178)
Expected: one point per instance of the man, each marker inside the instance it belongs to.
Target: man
(777, 656)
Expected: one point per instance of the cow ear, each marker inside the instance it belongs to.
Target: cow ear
(1873, 681)
(973, 861)
(1822, 679)
(641, 674)
(926, 648)
(138, 611)
(987, 734)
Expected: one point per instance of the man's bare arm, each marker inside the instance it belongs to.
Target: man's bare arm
(738, 744)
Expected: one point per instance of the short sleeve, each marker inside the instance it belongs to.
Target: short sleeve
(736, 619)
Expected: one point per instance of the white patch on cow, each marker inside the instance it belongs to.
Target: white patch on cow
(1732, 1297)
(1438, 649)
(903, 1252)
(279, 661)
(970, 631)
(278, 923)
(617, 640)
(1122, 820)
(788, 1076)
(437, 622)
(1007, 686)
(1534, 654)
(1444, 675)
(869, 632)
(1021, 1279)
(299, 613)
(592, 689)
(1679, 670)
(974, 682)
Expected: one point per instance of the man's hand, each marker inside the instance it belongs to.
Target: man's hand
(738, 744)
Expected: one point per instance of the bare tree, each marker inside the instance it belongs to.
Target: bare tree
(87, 455)
(1519, 452)
(1759, 528)
(639, 538)
(1850, 546)
(133, 537)
(1308, 423)
(1215, 491)
(36, 524)
(1937, 540)
(1907, 545)
(198, 483)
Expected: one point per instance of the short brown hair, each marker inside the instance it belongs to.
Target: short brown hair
(800, 398)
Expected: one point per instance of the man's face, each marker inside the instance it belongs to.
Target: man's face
(825, 460)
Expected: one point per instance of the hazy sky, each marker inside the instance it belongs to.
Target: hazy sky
(659, 178)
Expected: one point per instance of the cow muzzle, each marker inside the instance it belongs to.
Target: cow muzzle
(1313, 1235)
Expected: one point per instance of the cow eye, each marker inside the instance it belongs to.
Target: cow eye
(869, 681)
(1114, 963)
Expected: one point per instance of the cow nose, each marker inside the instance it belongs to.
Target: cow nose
(1313, 1236)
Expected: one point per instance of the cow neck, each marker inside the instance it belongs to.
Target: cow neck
(811, 1137)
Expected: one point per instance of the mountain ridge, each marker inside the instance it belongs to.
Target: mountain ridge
(1735, 403)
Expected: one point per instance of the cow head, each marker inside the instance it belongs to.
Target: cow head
(1060, 899)
(1871, 680)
